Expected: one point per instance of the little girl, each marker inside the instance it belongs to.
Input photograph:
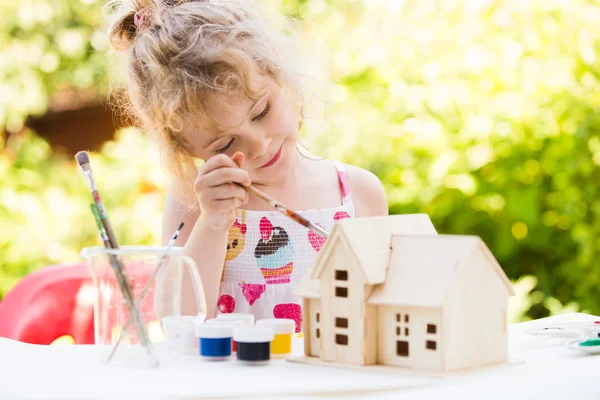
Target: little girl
(216, 82)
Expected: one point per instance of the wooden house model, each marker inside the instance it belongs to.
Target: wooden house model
(390, 291)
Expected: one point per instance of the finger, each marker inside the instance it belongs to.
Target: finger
(239, 159)
(223, 206)
(222, 192)
(215, 162)
(225, 175)
(229, 190)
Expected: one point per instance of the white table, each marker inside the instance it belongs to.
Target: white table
(550, 371)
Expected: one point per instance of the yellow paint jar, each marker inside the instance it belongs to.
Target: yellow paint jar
(284, 330)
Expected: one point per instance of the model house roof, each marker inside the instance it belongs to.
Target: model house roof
(369, 240)
(403, 257)
(423, 269)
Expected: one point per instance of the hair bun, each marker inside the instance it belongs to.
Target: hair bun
(137, 16)
(130, 18)
(123, 31)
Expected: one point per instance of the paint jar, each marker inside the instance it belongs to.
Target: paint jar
(246, 317)
(283, 329)
(235, 322)
(170, 327)
(253, 344)
(214, 341)
(188, 344)
(180, 333)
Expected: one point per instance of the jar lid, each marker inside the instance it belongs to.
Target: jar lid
(176, 321)
(188, 319)
(225, 321)
(279, 325)
(246, 317)
(253, 334)
(214, 331)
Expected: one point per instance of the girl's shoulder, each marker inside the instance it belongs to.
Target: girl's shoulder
(364, 187)
(367, 191)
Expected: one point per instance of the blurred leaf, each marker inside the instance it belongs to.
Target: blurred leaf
(485, 115)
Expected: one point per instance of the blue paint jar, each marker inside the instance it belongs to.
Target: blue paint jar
(233, 322)
(214, 341)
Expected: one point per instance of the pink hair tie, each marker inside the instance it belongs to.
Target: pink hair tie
(141, 20)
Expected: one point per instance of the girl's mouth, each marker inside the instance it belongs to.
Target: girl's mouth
(274, 159)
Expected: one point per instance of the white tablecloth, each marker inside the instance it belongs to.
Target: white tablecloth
(549, 371)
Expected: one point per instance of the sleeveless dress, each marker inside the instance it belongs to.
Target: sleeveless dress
(268, 254)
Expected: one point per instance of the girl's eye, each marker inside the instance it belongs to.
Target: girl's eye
(226, 147)
(263, 113)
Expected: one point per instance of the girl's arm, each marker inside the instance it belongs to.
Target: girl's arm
(205, 235)
(206, 246)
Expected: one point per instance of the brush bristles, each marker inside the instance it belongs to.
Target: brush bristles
(82, 158)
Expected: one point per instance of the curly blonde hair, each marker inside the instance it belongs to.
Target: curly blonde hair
(180, 54)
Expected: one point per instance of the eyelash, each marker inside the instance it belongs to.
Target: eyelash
(262, 114)
(258, 117)
(226, 147)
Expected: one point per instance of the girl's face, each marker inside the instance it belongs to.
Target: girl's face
(266, 131)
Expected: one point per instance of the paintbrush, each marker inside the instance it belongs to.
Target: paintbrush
(110, 242)
(286, 211)
(163, 261)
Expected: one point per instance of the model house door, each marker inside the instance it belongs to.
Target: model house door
(402, 348)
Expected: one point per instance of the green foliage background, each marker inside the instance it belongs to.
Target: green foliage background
(483, 114)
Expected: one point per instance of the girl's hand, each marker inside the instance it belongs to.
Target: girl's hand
(217, 195)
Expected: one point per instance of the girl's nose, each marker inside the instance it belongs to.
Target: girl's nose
(259, 146)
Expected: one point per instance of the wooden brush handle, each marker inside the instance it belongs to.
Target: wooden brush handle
(258, 193)
(286, 211)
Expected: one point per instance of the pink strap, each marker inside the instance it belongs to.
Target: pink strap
(341, 171)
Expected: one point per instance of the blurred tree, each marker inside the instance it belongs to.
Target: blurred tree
(44, 201)
(52, 53)
(483, 114)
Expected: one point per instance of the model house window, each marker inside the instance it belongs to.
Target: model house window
(317, 325)
(341, 291)
(400, 325)
(402, 348)
(431, 329)
(399, 318)
(341, 275)
(341, 322)
(341, 339)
